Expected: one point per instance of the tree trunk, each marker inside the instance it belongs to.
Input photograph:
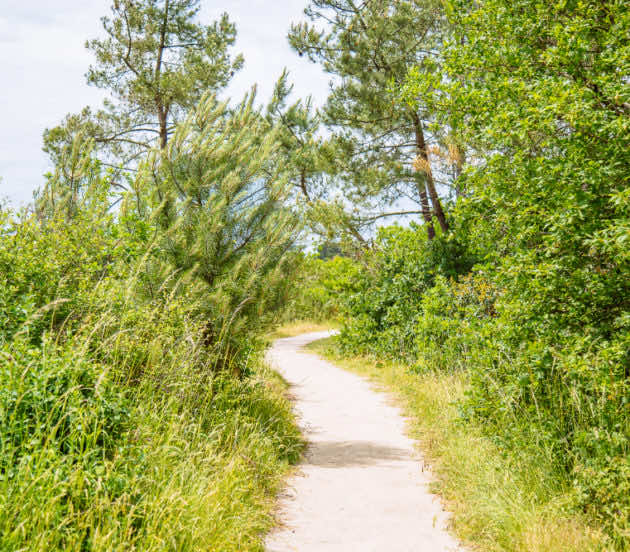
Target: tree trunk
(423, 154)
(425, 207)
(163, 120)
(162, 109)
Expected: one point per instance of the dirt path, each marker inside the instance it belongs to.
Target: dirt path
(361, 487)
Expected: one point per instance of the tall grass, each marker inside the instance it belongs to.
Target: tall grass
(87, 465)
(122, 425)
(90, 464)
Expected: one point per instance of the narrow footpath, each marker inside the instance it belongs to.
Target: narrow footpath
(362, 486)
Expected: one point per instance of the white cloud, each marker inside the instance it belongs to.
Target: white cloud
(43, 62)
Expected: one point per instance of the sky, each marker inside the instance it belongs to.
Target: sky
(43, 61)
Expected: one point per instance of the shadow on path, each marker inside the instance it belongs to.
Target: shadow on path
(342, 454)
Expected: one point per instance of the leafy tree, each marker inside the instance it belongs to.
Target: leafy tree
(368, 47)
(539, 92)
(157, 61)
(555, 119)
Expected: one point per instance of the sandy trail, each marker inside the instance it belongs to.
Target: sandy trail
(361, 487)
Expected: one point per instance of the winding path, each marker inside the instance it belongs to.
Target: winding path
(361, 487)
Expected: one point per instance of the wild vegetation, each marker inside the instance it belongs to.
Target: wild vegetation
(525, 290)
(122, 426)
(136, 292)
(136, 412)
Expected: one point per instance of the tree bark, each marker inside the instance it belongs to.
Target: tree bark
(423, 154)
(163, 120)
(159, 100)
(426, 208)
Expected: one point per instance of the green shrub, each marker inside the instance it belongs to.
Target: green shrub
(57, 400)
(320, 287)
(567, 396)
(86, 467)
(456, 327)
(383, 312)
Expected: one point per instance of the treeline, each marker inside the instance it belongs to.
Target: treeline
(518, 113)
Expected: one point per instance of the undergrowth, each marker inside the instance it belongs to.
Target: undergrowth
(105, 471)
(136, 411)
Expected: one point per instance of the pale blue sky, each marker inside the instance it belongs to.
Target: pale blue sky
(43, 62)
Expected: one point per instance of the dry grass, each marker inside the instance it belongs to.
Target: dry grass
(293, 329)
(501, 500)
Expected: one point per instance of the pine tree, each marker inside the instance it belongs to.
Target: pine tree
(156, 61)
(368, 48)
(219, 196)
(300, 143)
(309, 161)
(76, 181)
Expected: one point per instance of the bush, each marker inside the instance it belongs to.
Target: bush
(383, 312)
(320, 287)
(57, 399)
(456, 327)
(86, 466)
